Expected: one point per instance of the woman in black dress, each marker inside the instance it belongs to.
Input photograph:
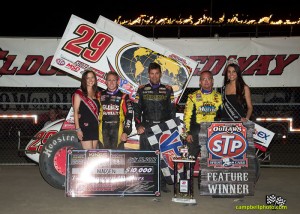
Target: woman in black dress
(86, 107)
(237, 104)
(236, 95)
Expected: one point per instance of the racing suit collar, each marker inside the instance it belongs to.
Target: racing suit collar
(205, 91)
(154, 86)
(112, 92)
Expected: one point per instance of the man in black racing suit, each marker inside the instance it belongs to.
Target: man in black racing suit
(154, 103)
(115, 116)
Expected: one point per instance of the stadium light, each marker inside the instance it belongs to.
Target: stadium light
(287, 119)
(20, 116)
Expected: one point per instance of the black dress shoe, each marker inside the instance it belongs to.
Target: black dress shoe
(165, 189)
(163, 184)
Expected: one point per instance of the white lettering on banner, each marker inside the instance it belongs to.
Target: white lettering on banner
(241, 189)
(227, 176)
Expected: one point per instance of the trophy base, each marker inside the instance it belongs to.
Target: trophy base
(184, 200)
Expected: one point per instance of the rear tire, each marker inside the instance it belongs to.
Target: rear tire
(52, 160)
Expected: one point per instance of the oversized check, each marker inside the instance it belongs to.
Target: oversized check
(112, 172)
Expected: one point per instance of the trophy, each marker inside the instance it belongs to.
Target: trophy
(183, 184)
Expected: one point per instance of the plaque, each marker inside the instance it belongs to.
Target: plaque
(112, 172)
(228, 161)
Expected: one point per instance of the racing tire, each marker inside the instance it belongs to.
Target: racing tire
(53, 159)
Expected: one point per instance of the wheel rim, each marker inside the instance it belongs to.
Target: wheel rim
(60, 160)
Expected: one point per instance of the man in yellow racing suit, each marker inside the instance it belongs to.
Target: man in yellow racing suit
(201, 106)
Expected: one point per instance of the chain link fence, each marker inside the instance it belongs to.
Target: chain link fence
(16, 132)
(267, 102)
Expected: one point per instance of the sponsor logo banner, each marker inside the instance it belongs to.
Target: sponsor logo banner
(262, 135)
(86, 45)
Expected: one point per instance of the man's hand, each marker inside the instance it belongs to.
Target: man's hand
(141, 130)
(124, 137)
(189, 138)
(243, 119)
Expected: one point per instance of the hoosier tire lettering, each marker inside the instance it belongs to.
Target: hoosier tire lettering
(48, 147)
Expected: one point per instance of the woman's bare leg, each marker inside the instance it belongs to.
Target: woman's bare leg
(87, 144)
(95, 144)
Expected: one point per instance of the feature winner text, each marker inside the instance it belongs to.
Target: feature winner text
(228, 183)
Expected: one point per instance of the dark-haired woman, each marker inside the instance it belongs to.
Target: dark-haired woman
(86, 107)
(236, 95)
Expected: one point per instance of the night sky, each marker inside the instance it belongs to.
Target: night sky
(50, 18)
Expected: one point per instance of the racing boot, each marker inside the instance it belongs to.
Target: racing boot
(163, 184)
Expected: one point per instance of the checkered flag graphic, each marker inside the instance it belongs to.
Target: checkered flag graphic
(165, 137)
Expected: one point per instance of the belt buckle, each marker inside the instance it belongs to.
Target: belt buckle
(110, 122)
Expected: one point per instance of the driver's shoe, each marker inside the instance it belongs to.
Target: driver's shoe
(164, 188)
(163, 185)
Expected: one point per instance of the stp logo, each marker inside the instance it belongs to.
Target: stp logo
(227, 145)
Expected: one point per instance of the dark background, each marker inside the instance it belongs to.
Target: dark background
(50, 18)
